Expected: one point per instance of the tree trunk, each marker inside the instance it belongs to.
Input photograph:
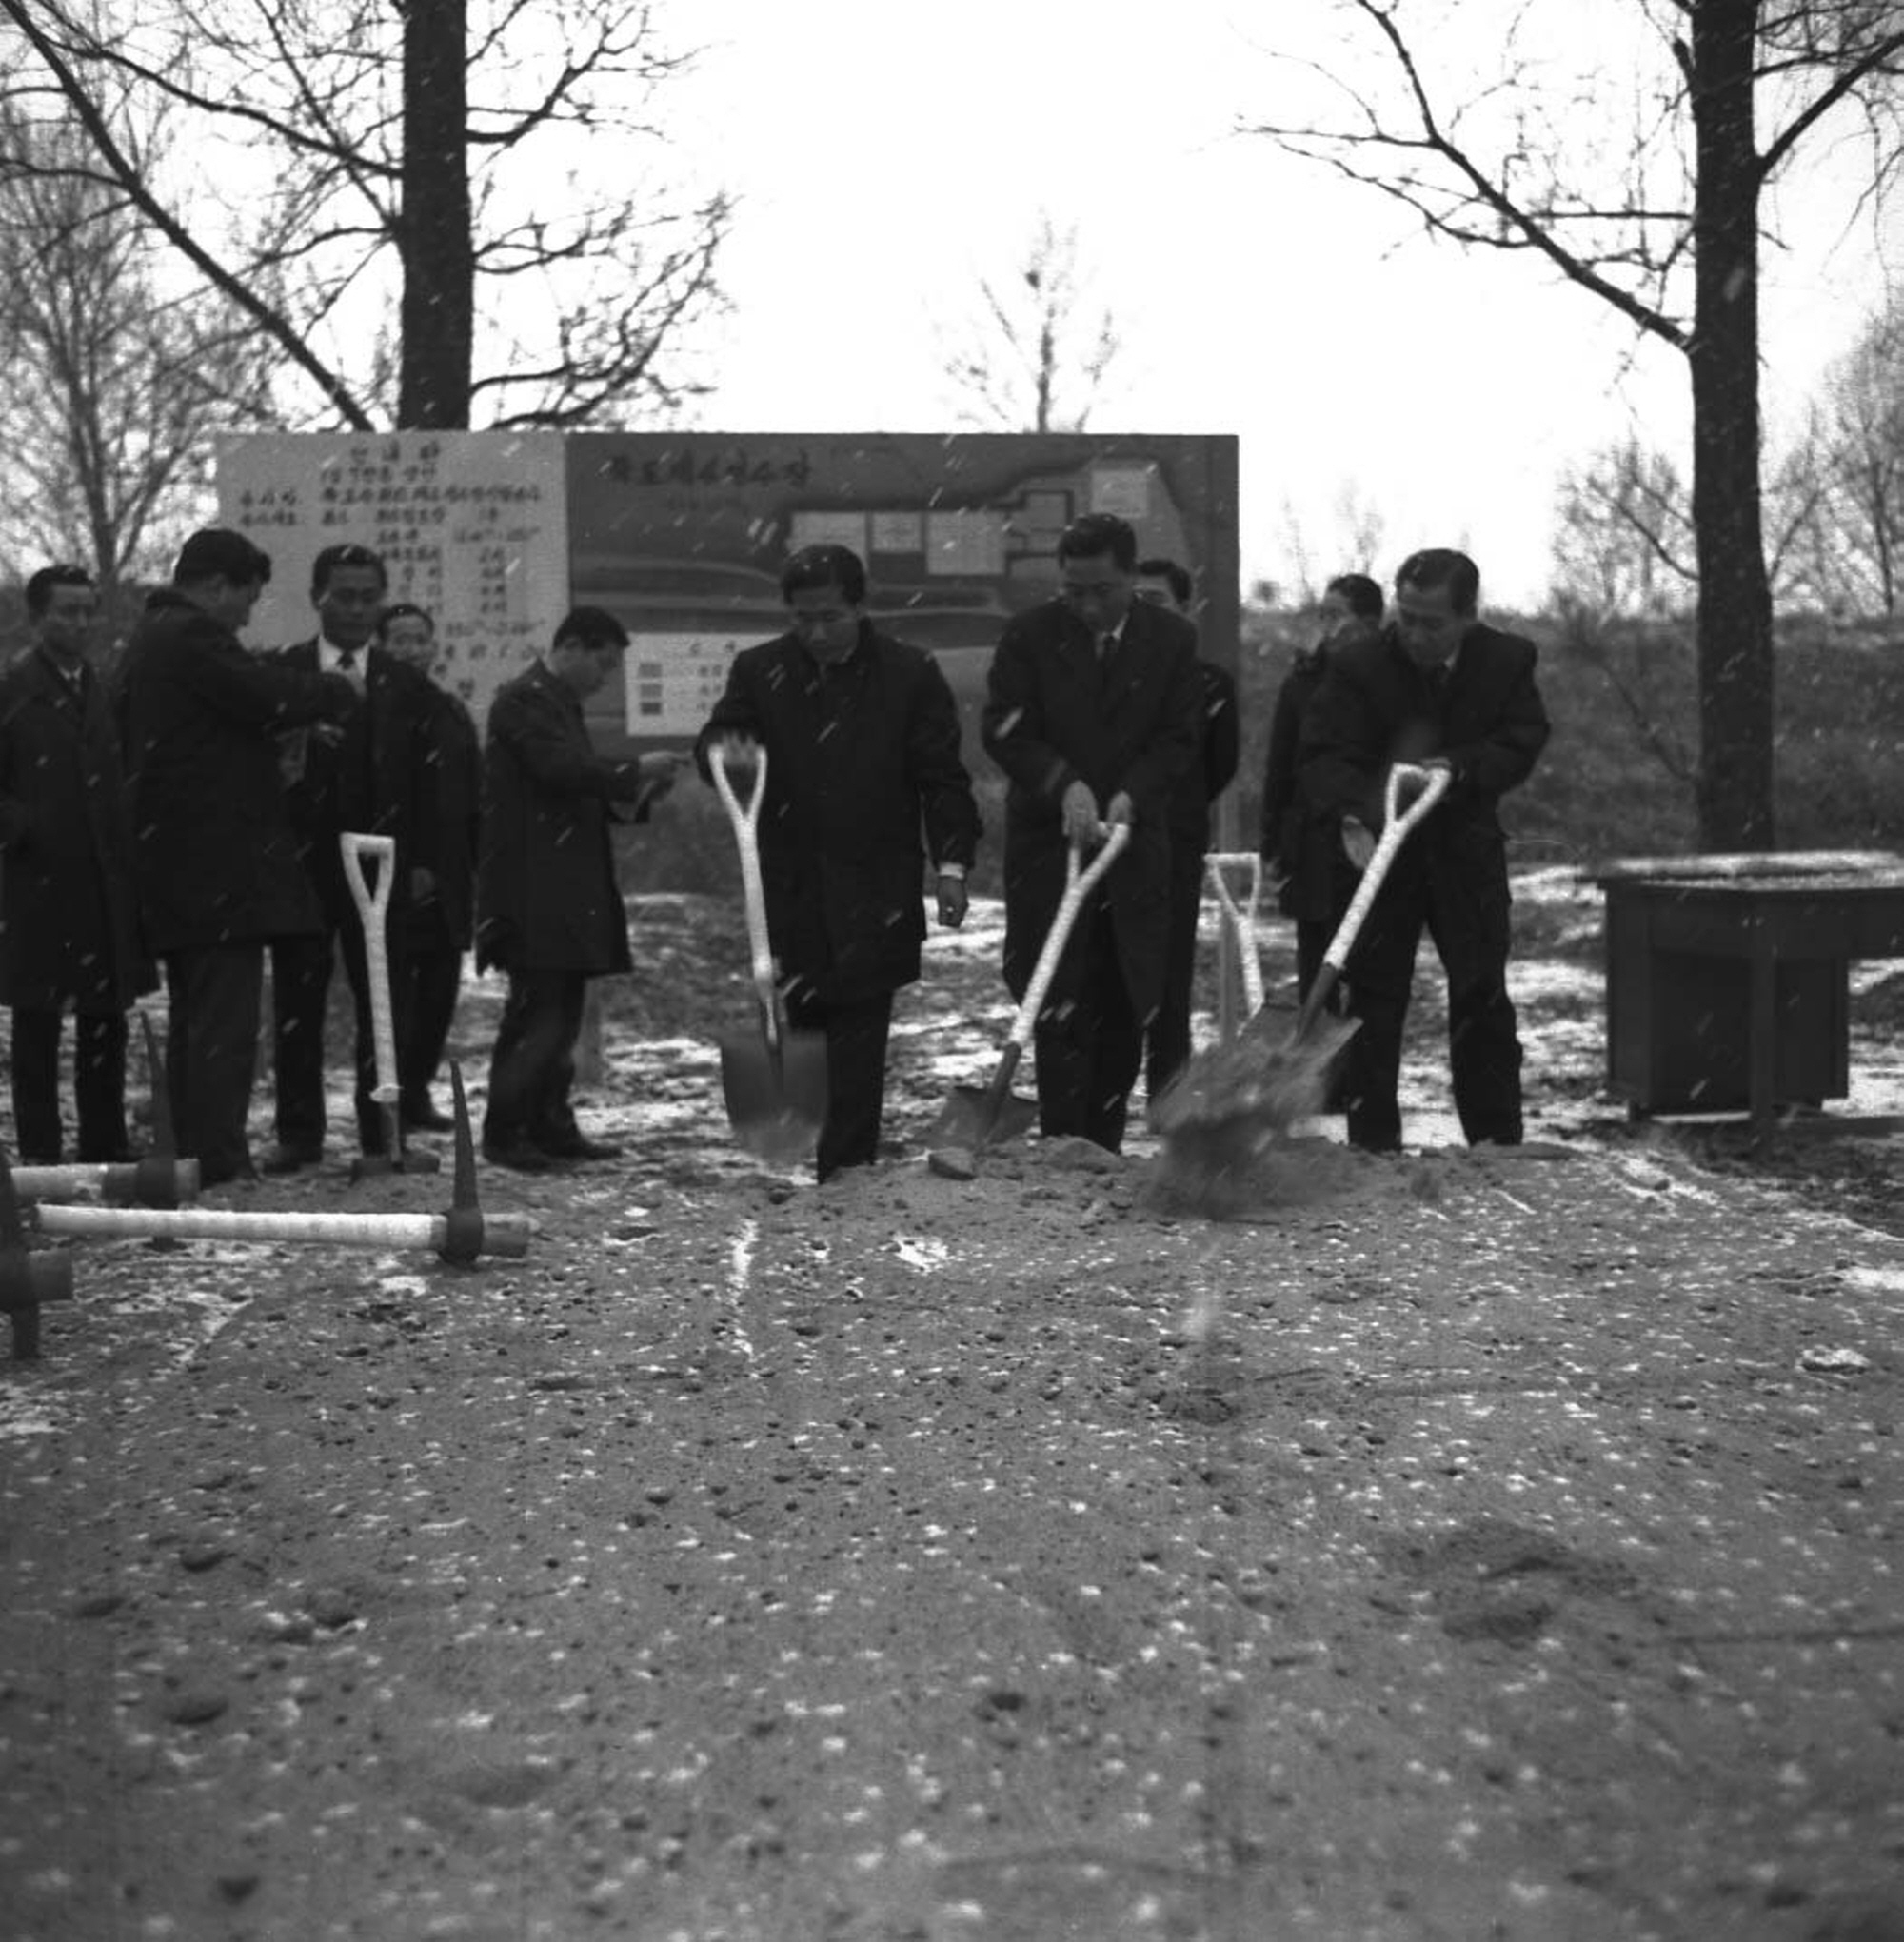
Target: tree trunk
(1735, 658)
(439, 299)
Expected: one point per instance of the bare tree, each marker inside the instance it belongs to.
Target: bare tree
(463, 165)
(1857, 449)
(1034, 356)
(116, 373)
(1351, 543)
(1633, 188)
(1623, 536)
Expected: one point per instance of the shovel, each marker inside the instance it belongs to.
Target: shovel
(775, 1085)
(976, 1115)
(1229, 1102)
(1240, 917)
(373, 915)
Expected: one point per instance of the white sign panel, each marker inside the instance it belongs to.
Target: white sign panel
(674, 680)
(472, 525)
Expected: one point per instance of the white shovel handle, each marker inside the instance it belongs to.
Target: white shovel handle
(1397, 822)
(373, 912)
(1242, 920)
(746, 832)
(1078, 883)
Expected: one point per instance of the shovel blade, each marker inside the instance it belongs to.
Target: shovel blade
(974, 1116)
(776, 1100)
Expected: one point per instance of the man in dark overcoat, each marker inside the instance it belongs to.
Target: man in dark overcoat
(863, 784)
(1166, 584)
(1093, 710)
(549, 908)
(67, 918)
(215, 860)
(441, 922)
(374, 778)
(1302, 849)
(1439, 689)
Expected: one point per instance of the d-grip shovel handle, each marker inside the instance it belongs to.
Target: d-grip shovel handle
(746, 832)
(1397, 822)
(1241, 919)
(373, 914)
(1078, 883)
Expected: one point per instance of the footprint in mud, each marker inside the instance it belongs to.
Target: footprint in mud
(1493, 1580)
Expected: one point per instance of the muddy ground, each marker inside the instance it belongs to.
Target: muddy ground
(1457, 1547)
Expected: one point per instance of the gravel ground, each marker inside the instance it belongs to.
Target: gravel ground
(1459, 1546)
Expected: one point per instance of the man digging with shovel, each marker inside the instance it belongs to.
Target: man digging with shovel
(1094, 709)
(860, 737)
(1438, 689)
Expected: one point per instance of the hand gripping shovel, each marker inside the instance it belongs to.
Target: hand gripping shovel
(1229, 1102)
(775, 1085)
(373, 915)
(975, 1114)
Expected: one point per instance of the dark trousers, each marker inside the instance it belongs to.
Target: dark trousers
(1312, 942)
(1168, 1038)
(214, 1001)
(300, 992)
(98, 1084)
(857, 1032)
(1088, 1048)
(426, 1007)
(1313, 938)
(1483, 1039)
(533, 1064)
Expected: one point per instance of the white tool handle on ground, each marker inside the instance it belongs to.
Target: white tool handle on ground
(1242, 920)
(1078, 883)
(373, 912)
(504, 1234)
(1397, 822)
(746, 830)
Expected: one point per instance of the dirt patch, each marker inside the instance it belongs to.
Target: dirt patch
(1461, 1545)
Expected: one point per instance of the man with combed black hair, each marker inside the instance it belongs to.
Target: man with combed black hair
(1438, 689)
(549, 909)
(863, 782)
(1166, 584)
(374, 777)
(69, 921)
(1302, 849)
(214, 858)
(1094, 711)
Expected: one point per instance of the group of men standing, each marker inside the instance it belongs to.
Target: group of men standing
(191, 824)
(188, 825)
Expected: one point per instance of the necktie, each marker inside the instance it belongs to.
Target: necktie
(347, 665)
(1107, 645)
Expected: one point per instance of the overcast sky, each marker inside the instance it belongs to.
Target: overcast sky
(886, 156)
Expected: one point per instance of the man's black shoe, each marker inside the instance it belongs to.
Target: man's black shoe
(285, 1159)
(577, 1146)
(422, 1116)
(517, 1154)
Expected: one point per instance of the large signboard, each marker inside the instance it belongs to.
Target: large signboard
(683, 536)
(472, 527)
